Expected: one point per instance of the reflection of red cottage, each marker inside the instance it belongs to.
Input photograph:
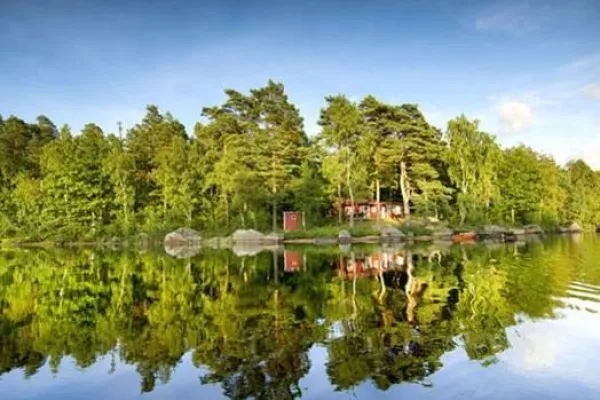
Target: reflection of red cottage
(293, 261)
(369, 266)
(292, 221)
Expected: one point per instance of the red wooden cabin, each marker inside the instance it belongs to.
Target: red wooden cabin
(368, 209)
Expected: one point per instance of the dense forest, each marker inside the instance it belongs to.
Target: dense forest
(250, 158)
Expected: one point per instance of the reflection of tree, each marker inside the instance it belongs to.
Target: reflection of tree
(382, 340)
(251, 324)
(258, 333)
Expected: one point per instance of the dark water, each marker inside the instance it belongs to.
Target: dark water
(502, 321)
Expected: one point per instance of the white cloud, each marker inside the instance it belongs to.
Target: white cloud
(583, 63)
(513, 18)
(592, 90)
(515, 116)
(521, 17)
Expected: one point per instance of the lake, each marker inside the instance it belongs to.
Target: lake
(519, 320)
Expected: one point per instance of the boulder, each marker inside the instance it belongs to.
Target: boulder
(390, 233)
(345, 248)
(183, 236)
(572, 228)
(247, 236)
(274, 237)
(183, 250)
(493, 232)
(344, 237)
(514, 234)
(533, 230)
(517, 231)
(575, 227)
(183, 243)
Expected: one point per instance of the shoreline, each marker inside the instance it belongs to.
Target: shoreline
(456, 238)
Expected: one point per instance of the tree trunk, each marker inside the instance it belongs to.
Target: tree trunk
(244, 215)
(462, 209)
(275, 268)
(512, 215)
(274, 216)
(226, 209)
(404, 189)
(340, 205)
(126, 214)
(378, 201)
(350, 192)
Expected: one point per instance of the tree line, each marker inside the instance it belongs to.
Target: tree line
(250, 158)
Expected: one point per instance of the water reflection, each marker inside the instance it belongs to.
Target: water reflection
(251, 324)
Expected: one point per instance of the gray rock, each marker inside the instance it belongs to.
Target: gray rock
(493, 231)
(571, 228)
(274, 237)
(247, 236)
(345, 248)
(183, 236)
(391, 233)
(514, 234)
(182, 251)
(344, 237)
(533, 230)
(183, 243)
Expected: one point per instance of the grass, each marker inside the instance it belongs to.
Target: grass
(415, 229)
(358, 230)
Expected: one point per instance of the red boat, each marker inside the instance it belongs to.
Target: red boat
(464, 237)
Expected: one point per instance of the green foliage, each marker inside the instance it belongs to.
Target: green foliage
(250, 159)
(530, 187)
(342, 137)
(583, 191)
(473, 158)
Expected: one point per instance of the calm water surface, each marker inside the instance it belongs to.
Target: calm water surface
(513, 321)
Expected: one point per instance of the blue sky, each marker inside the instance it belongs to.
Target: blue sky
(529, 70)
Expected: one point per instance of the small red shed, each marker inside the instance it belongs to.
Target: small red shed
(293, 220)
